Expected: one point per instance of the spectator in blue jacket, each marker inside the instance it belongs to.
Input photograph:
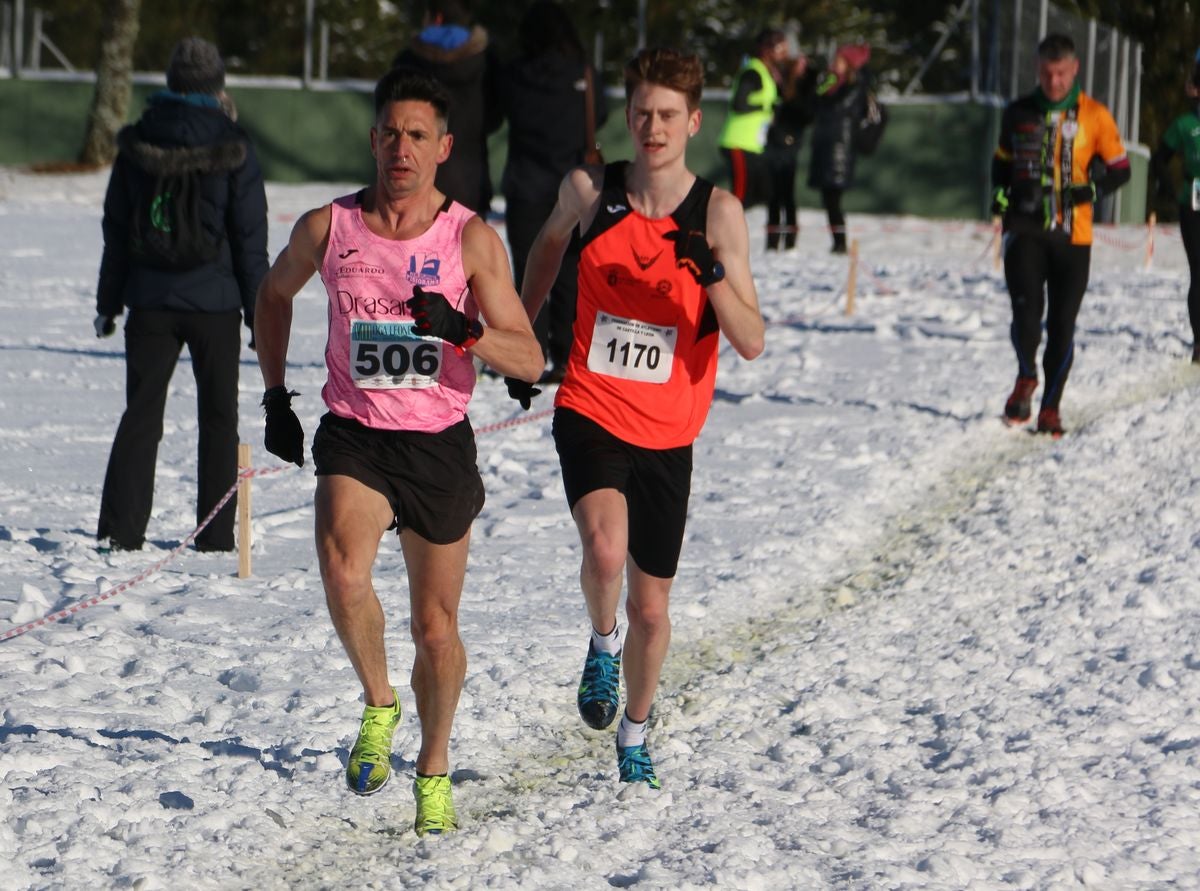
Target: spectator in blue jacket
(459, 53)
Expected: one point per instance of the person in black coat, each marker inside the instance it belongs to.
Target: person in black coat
(841, 103)
(185, 129)
(461, 56)
(793, 114)
(543, 93)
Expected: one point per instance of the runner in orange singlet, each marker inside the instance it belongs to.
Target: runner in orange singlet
(664, 270)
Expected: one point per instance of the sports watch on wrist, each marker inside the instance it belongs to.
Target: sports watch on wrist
(717, 274)
(474, 332)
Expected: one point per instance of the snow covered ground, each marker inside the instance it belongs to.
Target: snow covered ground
(912, 647)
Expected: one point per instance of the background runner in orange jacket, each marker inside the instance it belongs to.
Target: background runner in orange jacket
(1059, 152)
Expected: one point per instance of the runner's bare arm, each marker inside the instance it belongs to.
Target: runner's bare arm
(578, 196)
(734, 298)
(508, 344)
(294, 266)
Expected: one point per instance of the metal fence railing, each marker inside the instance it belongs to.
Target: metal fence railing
(998, 42)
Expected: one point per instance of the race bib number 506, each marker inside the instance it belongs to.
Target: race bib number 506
(632, 350)
(388, 355)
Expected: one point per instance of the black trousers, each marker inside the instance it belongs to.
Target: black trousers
(749, 177)
(153, 342)
(831, 198)
(1189, 231)
(1045, 274)
(781, 208)
(553, 326)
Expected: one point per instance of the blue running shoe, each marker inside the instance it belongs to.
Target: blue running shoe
(634, 765)
(599, 688)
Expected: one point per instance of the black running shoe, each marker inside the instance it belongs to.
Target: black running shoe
(599, 688)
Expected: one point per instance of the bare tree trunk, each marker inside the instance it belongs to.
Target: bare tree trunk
(114, 82)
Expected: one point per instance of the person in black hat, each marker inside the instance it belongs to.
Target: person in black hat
(185, 247)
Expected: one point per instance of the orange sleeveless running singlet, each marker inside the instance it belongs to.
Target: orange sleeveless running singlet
(643, 363)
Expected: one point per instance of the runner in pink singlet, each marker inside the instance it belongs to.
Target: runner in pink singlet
(410, 278)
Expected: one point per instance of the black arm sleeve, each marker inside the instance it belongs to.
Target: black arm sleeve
(748, 82)
(114, 262)
(246, 226)
(1002, 159)
(1160, 167)
(1109, 177)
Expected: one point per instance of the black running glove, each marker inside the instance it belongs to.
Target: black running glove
(284, 437)
(999, 201)
(693, 253)
(433, 316)
(521, 391)
(1085, 194)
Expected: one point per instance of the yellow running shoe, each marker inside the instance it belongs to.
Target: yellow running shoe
(435, 807)
(370, 764)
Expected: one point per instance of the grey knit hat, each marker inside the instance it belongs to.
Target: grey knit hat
(195, 67)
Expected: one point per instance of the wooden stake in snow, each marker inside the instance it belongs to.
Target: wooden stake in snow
(852, 279)
(1150, 224)
(243, 511)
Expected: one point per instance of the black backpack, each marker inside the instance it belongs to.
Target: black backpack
(168, 230)
(871, 126)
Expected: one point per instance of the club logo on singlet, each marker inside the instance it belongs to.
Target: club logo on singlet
(643, 262)
(424, 269)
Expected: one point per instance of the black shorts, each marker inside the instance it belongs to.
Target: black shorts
(655, 482)
(430, 480)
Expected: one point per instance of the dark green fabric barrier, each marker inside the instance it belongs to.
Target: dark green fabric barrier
(934, 160)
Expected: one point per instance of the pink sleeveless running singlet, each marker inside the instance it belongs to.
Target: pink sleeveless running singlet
(381, 374)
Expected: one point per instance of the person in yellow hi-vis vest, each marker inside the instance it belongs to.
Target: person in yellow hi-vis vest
(751, 108)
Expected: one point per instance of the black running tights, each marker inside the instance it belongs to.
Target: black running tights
(1046, 274)
(1189, 230)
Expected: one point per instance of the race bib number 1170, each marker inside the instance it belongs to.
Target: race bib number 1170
(632, 350)
(388, 355)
